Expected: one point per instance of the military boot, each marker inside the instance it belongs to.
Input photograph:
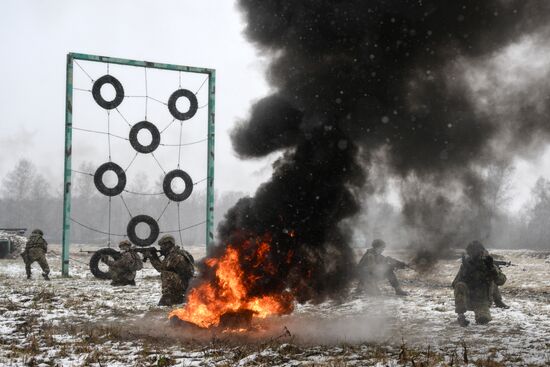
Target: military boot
(170, 300)
(164, 301)
(462, 321)
(46, 277)
(400, 292)
(482, 319)
(500, 304)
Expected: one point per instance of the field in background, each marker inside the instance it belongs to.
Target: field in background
(84, 321)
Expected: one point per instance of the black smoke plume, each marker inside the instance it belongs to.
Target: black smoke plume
(357, 79)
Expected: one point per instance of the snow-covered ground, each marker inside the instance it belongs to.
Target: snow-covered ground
(82, 321)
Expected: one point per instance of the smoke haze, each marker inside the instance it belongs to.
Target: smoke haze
(378, 86)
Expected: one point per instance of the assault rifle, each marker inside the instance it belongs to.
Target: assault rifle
(503, 263)
(147, 252)
(488, 259)
(396, 264)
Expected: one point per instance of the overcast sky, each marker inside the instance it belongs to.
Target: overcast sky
(37, 35)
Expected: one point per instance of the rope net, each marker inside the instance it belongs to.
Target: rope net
(139, 154)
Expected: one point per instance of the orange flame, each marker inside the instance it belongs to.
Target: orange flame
(229, 291)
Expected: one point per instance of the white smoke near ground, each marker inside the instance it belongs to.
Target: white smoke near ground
(342, 329)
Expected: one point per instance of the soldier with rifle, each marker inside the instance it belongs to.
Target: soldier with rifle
(123, 270)
(374, 267)
(176, 269)
(496, 296)
(473, 284)
(35, 251)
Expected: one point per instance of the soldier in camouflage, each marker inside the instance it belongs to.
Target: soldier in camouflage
(35, 251)
(176, 269)
(374, 267)
(473, 284)
(496, 296)
(123, 270)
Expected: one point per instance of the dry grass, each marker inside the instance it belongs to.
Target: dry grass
(44, 296)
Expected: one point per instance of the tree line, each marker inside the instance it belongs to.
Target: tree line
(29, 200)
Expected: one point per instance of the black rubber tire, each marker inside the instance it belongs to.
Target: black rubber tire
(119, 90)
(96, 258)
(155, 135)
(98, 179)
(167, 185)
(193, 104)
(153, 227)
(190, 257)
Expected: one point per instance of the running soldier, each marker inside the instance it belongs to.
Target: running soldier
(123, 270)
(35, 251)
(176, 269)
(474, 283)
(374, 267)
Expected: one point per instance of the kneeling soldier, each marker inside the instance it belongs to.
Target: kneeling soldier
(474, 283)
(123, 270)
(374, 267)
(35, 251)
(176, 269)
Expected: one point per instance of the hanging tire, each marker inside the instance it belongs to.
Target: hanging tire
(153, 230)
(155, 135)
(96, 259)
(98, 179)
(167, 185)
(193, 104)
(119, 90)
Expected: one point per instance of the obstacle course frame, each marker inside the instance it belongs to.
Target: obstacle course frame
(67, 171)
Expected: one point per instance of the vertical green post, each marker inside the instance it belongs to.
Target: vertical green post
(210, 168)
(67, 167)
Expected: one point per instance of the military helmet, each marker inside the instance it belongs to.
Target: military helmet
(37, 231)
(167, 241)
(124, 244)
(475, 248)
(378, 243)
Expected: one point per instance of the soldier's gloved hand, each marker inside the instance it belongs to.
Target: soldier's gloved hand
(488, 261)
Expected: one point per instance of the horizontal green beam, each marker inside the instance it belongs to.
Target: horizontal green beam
(147, 64)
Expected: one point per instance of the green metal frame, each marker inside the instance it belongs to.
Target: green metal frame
(68, 141)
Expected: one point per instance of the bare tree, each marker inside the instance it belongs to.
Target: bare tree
(16, 190)
(538, 225)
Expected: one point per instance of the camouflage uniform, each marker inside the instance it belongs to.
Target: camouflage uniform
(176, 269)
(123, 270)
(374, 267)
(473, 284)
(497, 296)
(494, 292)
(35, 251)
